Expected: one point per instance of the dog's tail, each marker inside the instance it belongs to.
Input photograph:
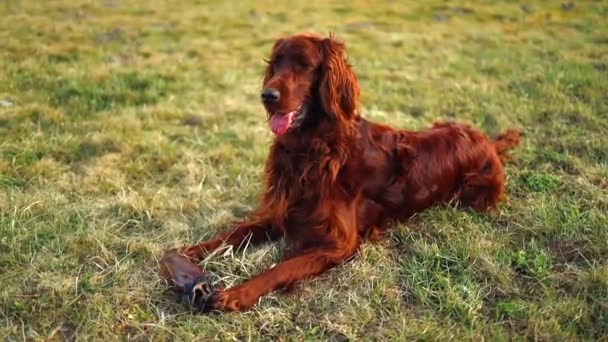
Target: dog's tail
(506, 141)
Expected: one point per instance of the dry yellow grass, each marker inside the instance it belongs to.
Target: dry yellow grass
(129, 127)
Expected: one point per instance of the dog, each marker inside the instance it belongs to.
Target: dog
(333, 179)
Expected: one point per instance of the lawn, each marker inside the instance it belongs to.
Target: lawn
(128, 127)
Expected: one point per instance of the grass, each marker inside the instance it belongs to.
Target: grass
(128, 127)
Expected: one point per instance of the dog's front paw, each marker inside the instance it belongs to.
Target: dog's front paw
(233, 299)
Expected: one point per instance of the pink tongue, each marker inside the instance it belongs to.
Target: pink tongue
(279, 123)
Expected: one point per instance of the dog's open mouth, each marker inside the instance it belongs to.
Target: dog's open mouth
(281, 122)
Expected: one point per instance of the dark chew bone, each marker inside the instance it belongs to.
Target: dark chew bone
(186, 278)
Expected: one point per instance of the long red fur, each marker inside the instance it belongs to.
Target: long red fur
(337, 182)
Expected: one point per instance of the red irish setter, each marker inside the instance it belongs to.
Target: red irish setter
(334, 179)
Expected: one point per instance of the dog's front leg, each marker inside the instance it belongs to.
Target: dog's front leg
(283, 275)
(254, 231)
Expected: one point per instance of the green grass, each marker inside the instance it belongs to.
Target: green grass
(129, 127)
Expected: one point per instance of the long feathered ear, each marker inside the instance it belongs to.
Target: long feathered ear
(339, 90)
(268, 70)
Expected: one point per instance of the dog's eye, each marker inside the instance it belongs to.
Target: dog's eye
(302, 65)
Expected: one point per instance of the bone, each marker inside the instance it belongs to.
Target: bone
(186, 278)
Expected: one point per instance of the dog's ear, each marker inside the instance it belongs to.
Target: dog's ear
(338, 87)
(268, 70)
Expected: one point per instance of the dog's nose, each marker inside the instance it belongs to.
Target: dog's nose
(270, 95)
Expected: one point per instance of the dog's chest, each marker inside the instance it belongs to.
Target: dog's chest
(305, 171)
(299, 177)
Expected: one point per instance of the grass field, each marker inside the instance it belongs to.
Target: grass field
(128, 127)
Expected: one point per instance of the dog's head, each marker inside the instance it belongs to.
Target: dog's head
(307, 80)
